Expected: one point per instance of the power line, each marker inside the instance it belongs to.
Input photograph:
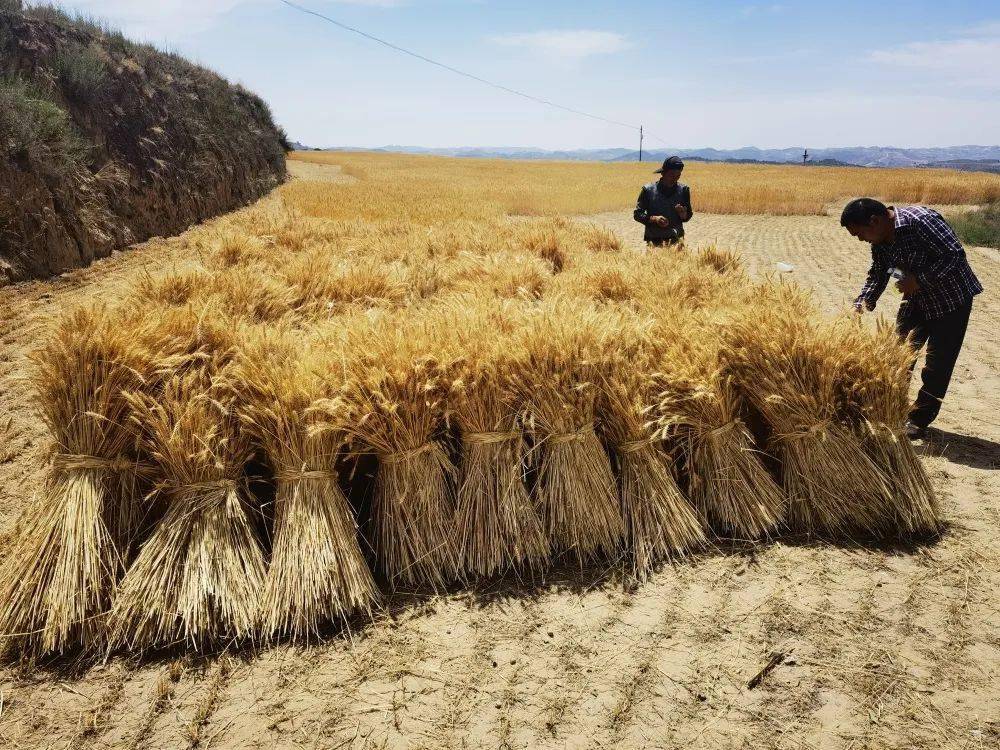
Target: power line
(462, 73)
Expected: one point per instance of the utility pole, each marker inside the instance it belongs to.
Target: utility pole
(640, 143)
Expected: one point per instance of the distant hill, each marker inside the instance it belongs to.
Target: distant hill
(967, 165)
(952, 157)
(861, 156)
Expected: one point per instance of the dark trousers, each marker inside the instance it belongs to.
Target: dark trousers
(943, 337)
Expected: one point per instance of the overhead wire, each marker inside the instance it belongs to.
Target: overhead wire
(464, 74)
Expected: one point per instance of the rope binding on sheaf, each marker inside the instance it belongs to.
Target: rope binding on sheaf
(490, 438)
(571, 437)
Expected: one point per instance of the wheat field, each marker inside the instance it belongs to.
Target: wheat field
(481, 188)
(873, 644)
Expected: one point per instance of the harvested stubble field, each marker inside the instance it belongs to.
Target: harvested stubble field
(886, 644)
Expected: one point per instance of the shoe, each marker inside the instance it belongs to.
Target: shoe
(914, 431)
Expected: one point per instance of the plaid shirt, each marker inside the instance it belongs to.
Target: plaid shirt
(926, 247)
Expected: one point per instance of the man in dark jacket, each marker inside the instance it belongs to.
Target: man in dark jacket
(916, 246)
(664, 206)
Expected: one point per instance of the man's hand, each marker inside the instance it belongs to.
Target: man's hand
(682, 211)
(908, 285)
(660, 221)
(861, 305)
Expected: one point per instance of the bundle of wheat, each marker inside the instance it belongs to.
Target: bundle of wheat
(234, 249)
(723, 261)
(874, 383)
(498, 527)
(77, 540)
(597, 239)
(175, 288)
(698, 408)
(250, 294)
(317, 571)
(545, 243)
(392, 404)
(788, 367)
(616, 279)
(563, 348)
(659, 521)
(506, 275)
(324, 285)
(200, 574)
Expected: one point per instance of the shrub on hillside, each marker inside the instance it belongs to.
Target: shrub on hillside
(11, 6)
(980, 228)
(35, 128)
(81, 72)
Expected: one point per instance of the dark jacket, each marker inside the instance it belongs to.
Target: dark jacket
(655, 201)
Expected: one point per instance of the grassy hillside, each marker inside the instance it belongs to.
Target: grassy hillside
(105, 142)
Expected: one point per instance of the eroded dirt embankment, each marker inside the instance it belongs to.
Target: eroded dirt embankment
(105, 142)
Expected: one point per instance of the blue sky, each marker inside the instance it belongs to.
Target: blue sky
(695, 73)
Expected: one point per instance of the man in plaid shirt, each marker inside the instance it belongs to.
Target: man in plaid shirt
(916, 245)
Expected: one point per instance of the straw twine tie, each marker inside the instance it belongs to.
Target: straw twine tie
(203, 497)
(303, 475)
(66, 462)
(398, 458)
(490, 438)
(806, 433)
(720, 431)
(210, 486)
(634, 446)
(571, 437)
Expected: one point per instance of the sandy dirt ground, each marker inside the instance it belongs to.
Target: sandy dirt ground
(883, 647)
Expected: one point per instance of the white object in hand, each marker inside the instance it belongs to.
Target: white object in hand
(897, 275)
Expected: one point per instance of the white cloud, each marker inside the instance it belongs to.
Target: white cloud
(566, 46)
(969, 61)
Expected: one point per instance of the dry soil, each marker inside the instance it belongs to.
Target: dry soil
(880, 646)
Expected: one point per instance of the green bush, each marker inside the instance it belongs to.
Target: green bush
(37, 129)
(980, 227)
(81, 73)
(49, 13)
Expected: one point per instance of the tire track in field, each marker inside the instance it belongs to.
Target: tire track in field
(505, 687)
(471, 676)
(162, 695)
(177, 704)
(578, 638)
(683, 610)
(542, 665)
(97, 720)
(338, 694)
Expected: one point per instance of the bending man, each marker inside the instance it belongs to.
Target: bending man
(916, 246)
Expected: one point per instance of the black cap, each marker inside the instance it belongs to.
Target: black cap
(673, 162)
